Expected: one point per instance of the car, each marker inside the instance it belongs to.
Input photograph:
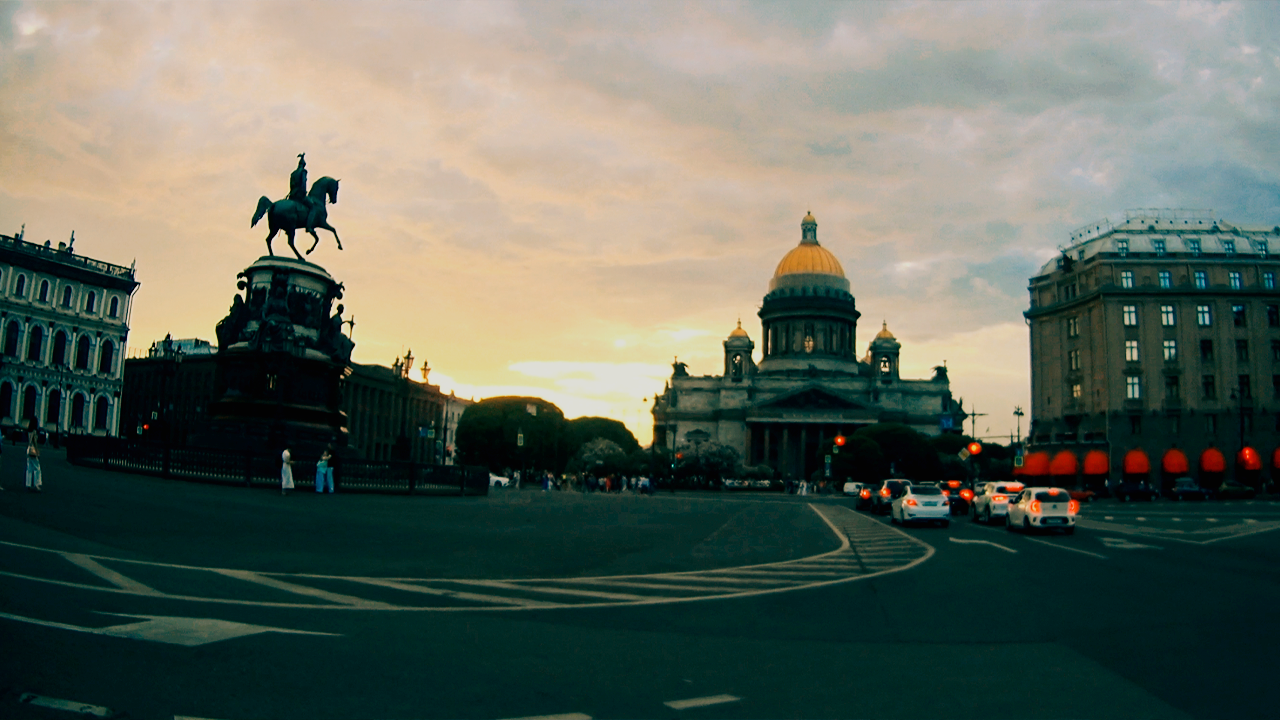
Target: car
(1233, 490)
(890, 489)
(920, 503)
(499, 481)
(960, 495)
(1040, 508)
(1133, 490)
(1185, 488)
(854, 489)
(1082, 496)
(992, 500)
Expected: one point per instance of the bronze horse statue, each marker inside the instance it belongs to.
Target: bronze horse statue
(291, 215)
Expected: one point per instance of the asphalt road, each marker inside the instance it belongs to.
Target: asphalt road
(153, 599)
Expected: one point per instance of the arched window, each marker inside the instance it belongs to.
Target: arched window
(115, 307)
(35, 343)
(77, 411)
(21, 288)
(91, 302)
(66, 296)
(53, 411)
(100, 414)
(44, 291)
(59, 358)
(6, 399)
(106, 357)
(11, 332)
(82, 353)
(29, 404)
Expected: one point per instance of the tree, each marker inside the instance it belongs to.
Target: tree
(909, 453)
(709, 460)
(860, 460)
(584, 429)
(490, 431)
(599, 457)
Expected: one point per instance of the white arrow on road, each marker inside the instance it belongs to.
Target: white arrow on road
(1126, 545)
(173, 630)
(982, 542)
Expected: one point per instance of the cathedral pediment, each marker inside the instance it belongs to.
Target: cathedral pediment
(809, 398)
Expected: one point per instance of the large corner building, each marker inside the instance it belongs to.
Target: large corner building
(809, 385)
(1158, 340)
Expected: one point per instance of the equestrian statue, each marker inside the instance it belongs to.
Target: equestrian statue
(300, 210)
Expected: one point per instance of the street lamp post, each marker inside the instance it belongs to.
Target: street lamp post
(1238, 394)
(1017, 413)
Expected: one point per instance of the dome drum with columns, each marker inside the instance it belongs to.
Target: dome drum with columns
(810, 384)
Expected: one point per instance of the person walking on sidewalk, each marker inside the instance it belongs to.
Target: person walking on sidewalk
(324, 470)
(286, 472)
(33, 464)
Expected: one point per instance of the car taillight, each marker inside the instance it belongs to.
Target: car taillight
(1034, 507)
(911, 502)
(946, 493)
(1073, 507)
(966, 494)
(866, 493)
(998, 498)
(884, 492)
(954, 483)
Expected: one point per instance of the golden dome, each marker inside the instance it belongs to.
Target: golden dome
(809, 257)
(738, 331)
(884, 333)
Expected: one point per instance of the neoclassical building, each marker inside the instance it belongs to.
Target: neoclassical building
(809, 385)
(65, 320)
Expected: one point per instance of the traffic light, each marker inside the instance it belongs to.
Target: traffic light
(839, 441)
(975, 448)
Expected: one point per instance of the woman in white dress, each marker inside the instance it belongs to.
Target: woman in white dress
(286, 472)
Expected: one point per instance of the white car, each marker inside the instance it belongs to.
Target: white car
(992, 500)
(921, 503)
(499, 481)
(853, 489)
(1041, 508)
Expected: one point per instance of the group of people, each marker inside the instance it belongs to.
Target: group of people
(617, 483)
(324, 471)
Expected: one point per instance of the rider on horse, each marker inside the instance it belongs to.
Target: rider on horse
(298, 189)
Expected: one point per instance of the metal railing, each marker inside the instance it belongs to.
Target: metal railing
(257, 470)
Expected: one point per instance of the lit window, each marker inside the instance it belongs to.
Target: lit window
(1261, 247)
(1167, 317)
(1126, 278)
(1204, 316)
(1133, 387)
(1202, 279)
(1075, 391)
(1170, 350)
(1269, 280)
(1234, 279)
(1122, 246)
(1229, 247)
(1159, 246)
(1131, 351)
(1166, 279)
(1073, 327)
(1131, 315)
(1073, 360)
(1195, 246)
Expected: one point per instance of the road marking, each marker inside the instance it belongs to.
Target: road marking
(474, 597)
(186, 631)
(66, 705)
(1250, 520)
(1126, 545)
(1108, 517)
(1064, 547)
(564, 716)
(982, 542)
(317, 593)
(552, 590)
(701, 702)
(1177, 519)
(106, 573)
(1140, 519)
(1211, 519)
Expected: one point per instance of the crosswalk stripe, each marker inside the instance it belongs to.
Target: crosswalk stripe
(308, 591)
(540, 588)
(475, 597)
(106, 573)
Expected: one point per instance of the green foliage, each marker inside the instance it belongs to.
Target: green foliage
(860, 460)
(584, 429)
(599, 457)
(710, 460)
(908, 452)
(488, 431)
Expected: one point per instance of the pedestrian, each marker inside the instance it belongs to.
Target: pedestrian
(33, 464)
(286, 472)
(324, 470)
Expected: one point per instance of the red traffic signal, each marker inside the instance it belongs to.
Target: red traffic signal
(680, 456)
(975, 448)
(839, 441)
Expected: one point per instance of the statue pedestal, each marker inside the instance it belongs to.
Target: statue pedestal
(281, 361)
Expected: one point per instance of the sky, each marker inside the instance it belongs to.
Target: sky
(556, 199)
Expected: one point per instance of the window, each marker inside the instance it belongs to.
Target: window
(1075, 391)
(53, 409)
(21, 288)
(77, 411)
(1275, 350)
(1242, 350)
(1167, 317)
(1073, 327)
(1233, 278)
(1211, 424)
(1133, 387)
(35, 343)
(1166, 279)
(100, 414)
(91, 302)
(1210, 387)
(1170, 350)
(44, 291)
(1260, 247)
(82, 353)
(1159, 246)
(59, 358)
(1131, 315)
(11, 339)
(1246, 389)
(107, 357)
(1122, 246)
(1204, 316)
(1131, 351)
(1126, 279)
(1172, 387)
(1069, 291)
(1237, 315)
(1269, 280)
(66, 297)
(1206, 350)
(1135, 424)
(115, 307)
(1275, 386)
(1073, 360)
(1194, 245)
(1202, 279)
(1273, 316)
(1229, 247)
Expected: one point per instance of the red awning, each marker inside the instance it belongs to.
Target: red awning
(1017, 469)
(1175, 462)
(1248, 459)
(1037, 463)
(1275, 458)
(1211, 460)
(1064, 463)
(1097, 463)
(1136, 462)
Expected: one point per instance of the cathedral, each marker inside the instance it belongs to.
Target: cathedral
(809, 385)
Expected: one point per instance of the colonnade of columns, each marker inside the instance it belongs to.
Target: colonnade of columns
(795, 450)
